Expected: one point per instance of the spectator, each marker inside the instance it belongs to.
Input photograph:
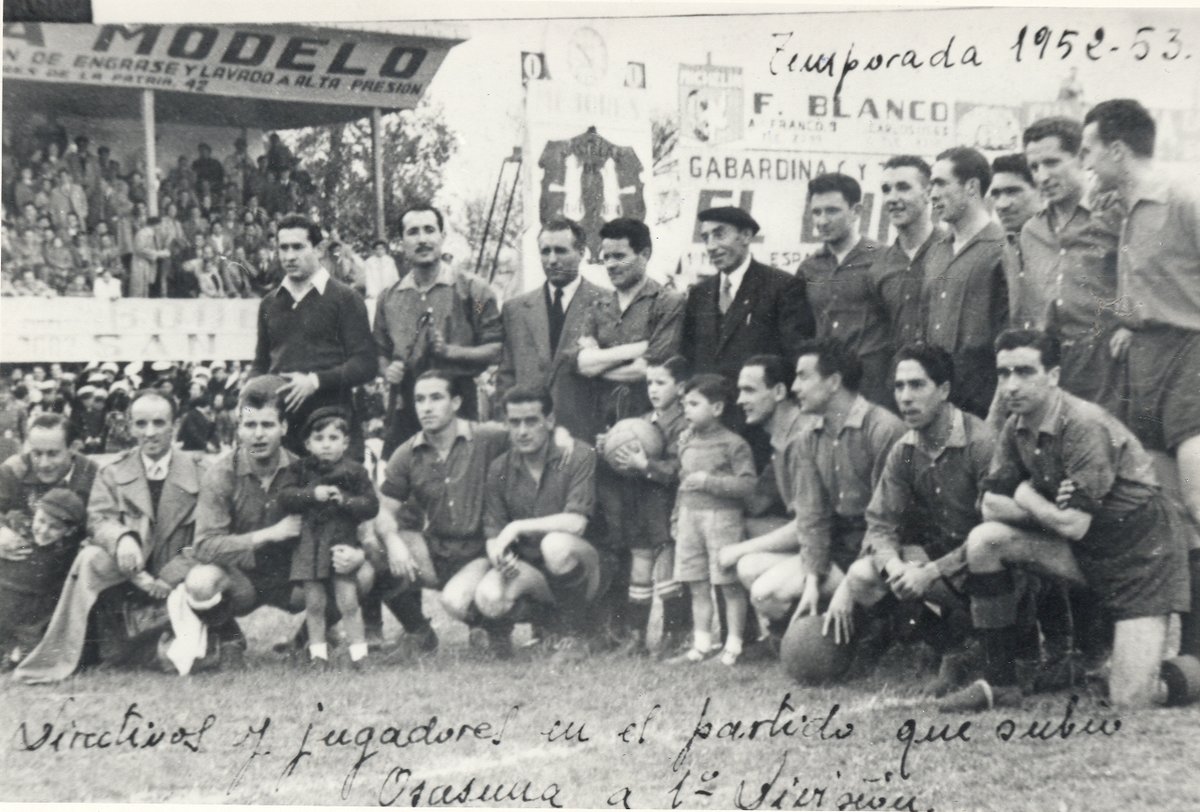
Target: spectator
(279, 157)
(238, 167)
(212, 286)
(379, 270)
(143, 272)
(208, 170)
(66, 198)
(107, 286)
(78, 286)
(60, 262)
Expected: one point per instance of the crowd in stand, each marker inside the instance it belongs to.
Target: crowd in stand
(76, 222)
(94, 399)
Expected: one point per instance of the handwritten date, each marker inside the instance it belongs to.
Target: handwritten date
(1048, 43)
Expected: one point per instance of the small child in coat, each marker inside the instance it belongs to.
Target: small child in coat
(333, 495)
(29, 588)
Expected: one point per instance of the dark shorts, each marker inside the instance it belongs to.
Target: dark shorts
(637, 512)
(24, 617)
(1138, 565)
(447, 565)
(1162, 382)
(1089, 371)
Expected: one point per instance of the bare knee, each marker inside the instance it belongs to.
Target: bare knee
(205, 581)
(457, 601)
(747, 572)
(490, 598)
(985, 546)
(560, 552)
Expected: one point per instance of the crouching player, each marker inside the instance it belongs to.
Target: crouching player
(836, 459)
(651, 491)
(923, 507)
(1071, 493)
(536, 511)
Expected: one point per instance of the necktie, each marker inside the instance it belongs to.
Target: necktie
(557, 317)
(726, 294)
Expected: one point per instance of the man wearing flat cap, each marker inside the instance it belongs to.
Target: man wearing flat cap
(746, 308)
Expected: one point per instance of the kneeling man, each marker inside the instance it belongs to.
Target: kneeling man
(1071, 493)
(922, 510)
(537, 508)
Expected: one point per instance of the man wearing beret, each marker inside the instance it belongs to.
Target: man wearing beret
(746, 308)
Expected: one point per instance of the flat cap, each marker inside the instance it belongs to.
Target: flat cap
(732, 215)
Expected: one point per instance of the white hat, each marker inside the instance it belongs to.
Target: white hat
(91, 365)
(120, 386)
(162, 366)
(109, 366)
(97, 377)
(100, 392)
(201, 372)
(134, 368)
(85, 391)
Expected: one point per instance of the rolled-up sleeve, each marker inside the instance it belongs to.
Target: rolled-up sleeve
(581, 492)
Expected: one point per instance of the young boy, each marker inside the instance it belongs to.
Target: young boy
(333, 494)
(653, 554)
(716, 474)
(29, 588)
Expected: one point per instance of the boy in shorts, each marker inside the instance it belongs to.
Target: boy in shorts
(716, 474)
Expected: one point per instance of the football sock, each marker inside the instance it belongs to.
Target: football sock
(703, 640)
(1189, 638)
(358, 651)
(319, 651)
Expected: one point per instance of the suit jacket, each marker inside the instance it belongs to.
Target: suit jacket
(120, 503)
(769, 315)
(526, 360)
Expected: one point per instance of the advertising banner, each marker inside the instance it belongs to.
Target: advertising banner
(288, 63)
(49, 330)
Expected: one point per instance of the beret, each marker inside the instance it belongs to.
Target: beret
(732, 215)
(64, 505)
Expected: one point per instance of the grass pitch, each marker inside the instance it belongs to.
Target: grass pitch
(608, 732)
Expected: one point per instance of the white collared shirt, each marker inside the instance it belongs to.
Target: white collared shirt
(568, 291)
(318, 280)
(737, 275)
(156, 470)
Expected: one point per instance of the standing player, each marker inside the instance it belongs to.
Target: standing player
(839, 285)
(433, 317)
(313, 331)
(966, 272)
(1158, 284)
(899, 271)
(640, 325)
(1069, 254)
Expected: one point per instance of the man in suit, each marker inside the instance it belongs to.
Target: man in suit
(542, 329)
(746, 308)
(140, 518)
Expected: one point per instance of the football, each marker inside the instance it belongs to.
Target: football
(632, 430)
(810, 657)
